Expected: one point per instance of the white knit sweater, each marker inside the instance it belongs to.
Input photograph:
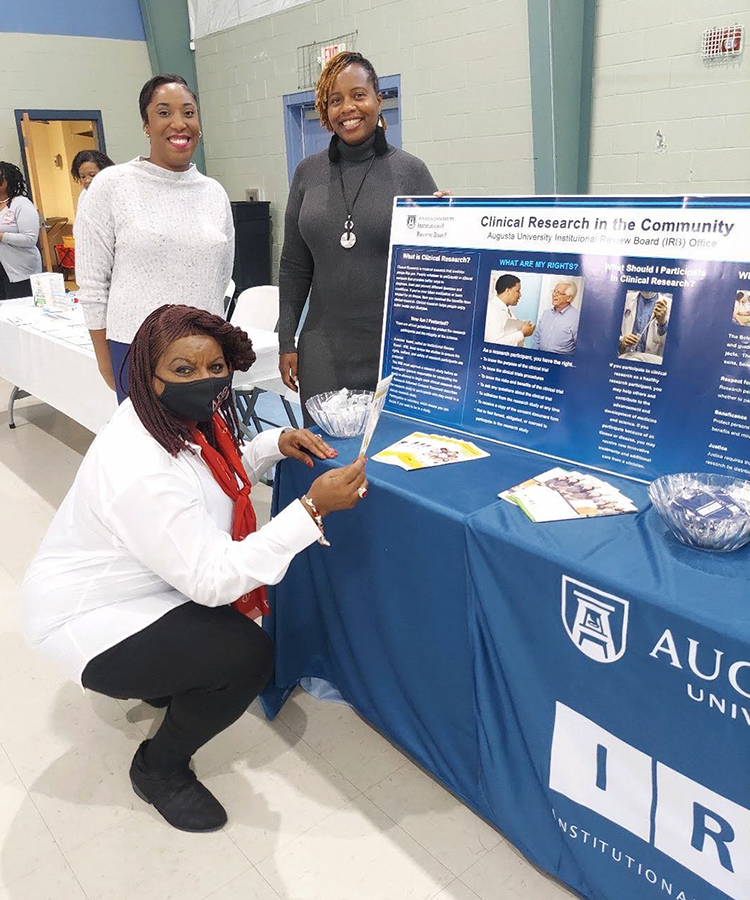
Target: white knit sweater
(149, 236)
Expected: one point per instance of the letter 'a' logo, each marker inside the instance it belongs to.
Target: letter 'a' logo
(596, 622)
(411, 221)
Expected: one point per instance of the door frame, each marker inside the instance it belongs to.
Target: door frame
(390, 87)
(37, 115)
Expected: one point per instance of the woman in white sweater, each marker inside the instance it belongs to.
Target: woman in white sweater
(132, 591)
(19, 234)
(152, 231)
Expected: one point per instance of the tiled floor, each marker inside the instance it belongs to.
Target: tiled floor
(321, 807)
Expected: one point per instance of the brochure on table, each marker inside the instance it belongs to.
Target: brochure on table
(612, 332)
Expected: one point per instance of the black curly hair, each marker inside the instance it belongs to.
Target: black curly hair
(14, 180)
(99, 159)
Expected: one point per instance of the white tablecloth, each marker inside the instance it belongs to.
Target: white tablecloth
(49, 355)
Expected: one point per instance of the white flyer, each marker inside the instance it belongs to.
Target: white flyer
(373, 414)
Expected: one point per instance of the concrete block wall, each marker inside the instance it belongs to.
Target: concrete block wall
(465, 102)
(41, 71)
(664, 121)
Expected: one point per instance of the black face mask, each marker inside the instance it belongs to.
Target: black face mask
(195, 401)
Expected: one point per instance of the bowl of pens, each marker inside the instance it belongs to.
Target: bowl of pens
(704, 510)
(341, 414)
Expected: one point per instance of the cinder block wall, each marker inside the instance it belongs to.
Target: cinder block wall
(465, 102)
(663, 120)
(39, 71)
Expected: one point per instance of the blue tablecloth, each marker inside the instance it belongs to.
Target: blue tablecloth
(583, 685)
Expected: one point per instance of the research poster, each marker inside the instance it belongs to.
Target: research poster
(612, 332)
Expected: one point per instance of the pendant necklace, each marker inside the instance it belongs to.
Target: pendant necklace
(349, 238)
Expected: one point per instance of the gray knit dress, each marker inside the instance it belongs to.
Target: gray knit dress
(339, 345)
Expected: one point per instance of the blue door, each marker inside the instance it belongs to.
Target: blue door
(305, 135)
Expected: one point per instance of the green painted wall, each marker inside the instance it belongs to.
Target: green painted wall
(561, 41)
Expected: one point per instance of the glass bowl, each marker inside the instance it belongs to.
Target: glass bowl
(704, 510)
(341, 414)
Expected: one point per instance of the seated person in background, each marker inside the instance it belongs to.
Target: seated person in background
(502, 326)
(131, 593)
(87, 164)
(645, 320)
(557, 329)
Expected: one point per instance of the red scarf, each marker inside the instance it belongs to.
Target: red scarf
(225, 463)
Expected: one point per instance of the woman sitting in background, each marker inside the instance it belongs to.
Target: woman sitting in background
(131, 591)
(19, 235)
(87, 164)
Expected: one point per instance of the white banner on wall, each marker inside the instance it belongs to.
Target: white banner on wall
(211, 16)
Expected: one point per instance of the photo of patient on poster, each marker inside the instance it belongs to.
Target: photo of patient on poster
(645, 326)
(741, 310)
(539, 312)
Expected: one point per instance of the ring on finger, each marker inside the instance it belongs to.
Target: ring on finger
(362, 491)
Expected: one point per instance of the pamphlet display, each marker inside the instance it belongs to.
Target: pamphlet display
(610, 332)
(424, 451)
(560, 494)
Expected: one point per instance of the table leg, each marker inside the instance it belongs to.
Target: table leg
(15, 394)
(290, 412)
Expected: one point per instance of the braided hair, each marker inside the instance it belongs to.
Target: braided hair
(331, 71)
(14, 180)
(164, 326)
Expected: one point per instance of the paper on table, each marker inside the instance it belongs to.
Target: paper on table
(373, 413)
(422, 451)
(559, 494)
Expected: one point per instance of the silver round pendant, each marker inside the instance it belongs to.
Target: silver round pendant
(348, 240)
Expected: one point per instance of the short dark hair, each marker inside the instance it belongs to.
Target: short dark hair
(99, 159)
(14, 179)
(506, 281)
(147, 91)
(165, 325)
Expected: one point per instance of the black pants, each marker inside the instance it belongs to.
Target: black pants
(211, 662)
(10, 290)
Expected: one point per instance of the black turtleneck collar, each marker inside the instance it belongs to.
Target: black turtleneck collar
(357, 152)
(339, 149)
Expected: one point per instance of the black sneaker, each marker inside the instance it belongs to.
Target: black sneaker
(178, 796)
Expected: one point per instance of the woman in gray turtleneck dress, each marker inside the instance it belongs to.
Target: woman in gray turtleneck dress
(340, 342)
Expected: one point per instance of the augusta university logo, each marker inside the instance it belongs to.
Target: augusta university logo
(596, 622)
(411, 221)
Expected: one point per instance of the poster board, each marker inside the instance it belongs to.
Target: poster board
(611, 332)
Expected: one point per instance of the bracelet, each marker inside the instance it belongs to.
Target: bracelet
(317, 518)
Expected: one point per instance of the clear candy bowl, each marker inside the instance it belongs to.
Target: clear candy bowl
(341, 414)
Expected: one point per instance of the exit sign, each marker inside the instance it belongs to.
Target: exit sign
(327, 53)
